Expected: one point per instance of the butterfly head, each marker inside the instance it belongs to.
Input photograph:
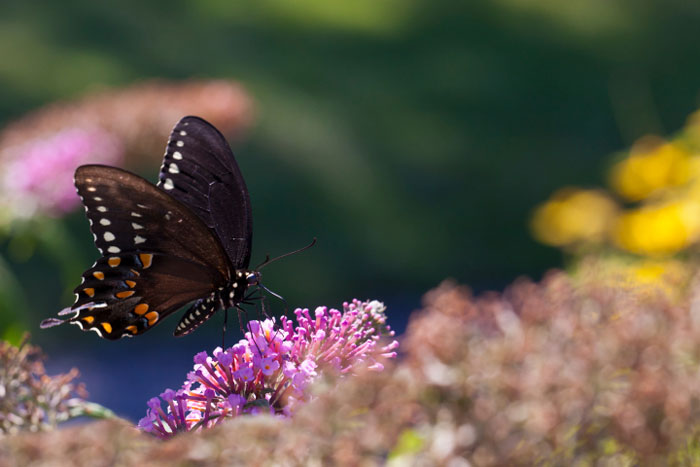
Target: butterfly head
(246, 278)
(253, 278)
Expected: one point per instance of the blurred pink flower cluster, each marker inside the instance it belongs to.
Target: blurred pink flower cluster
(38, 175)
(562, 370)
(125, 127)
(31, 400)
(269, 371)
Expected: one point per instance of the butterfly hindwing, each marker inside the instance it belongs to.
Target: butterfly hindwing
(127, 294)
(129, 214)
(198, 157)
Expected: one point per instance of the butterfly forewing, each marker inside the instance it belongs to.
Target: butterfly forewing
(231, 233)
(129, 214)
(197, 157)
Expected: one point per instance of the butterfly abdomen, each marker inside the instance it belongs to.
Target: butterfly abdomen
(224, 298)
(198, 313)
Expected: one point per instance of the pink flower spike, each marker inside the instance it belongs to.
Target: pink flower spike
(270, 370)
(289, 369)
(38, 177)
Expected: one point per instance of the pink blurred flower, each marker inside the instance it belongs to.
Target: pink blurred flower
(39, 173)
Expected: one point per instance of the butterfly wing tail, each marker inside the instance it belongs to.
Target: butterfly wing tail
(51, 322)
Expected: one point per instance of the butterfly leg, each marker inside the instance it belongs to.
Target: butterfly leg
(254, 297)
(286, 306)
(263, 306)
(263, 302)
(241, 312)
(223, 331)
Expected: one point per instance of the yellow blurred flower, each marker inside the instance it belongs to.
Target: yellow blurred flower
(660, 229)
(572, 216)
(651, 169)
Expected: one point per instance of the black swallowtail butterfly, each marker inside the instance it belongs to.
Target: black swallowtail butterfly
(189, 238)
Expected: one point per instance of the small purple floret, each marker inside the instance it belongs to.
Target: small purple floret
(200, 358)
(168, 395)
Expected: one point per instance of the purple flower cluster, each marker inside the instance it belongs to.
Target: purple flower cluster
(39, 174)
(270, 370)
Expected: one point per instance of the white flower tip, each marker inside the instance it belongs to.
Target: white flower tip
(393, 345)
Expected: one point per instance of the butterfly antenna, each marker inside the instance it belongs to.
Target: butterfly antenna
(268, 260)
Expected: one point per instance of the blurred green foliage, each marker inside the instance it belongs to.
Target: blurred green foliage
(413, 138)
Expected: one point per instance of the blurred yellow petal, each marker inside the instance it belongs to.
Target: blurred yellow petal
(655, 230)
(645, 172)
(572, 216)
(690, 212)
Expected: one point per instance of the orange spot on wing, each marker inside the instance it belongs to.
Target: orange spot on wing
(124, 294)
(107, 327)
(152, 317)
(131, 284)
(146, 259)
(135, 272)
(88, 319)
(141, 309)
(132, 329)
(99, 275)
(114, 261)
(89, 291)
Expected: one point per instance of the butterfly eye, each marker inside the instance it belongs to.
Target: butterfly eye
(253, 278)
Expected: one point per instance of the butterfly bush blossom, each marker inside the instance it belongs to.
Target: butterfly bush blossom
(138, 115)
(31, 400)
(269, 371)
(39, 176)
